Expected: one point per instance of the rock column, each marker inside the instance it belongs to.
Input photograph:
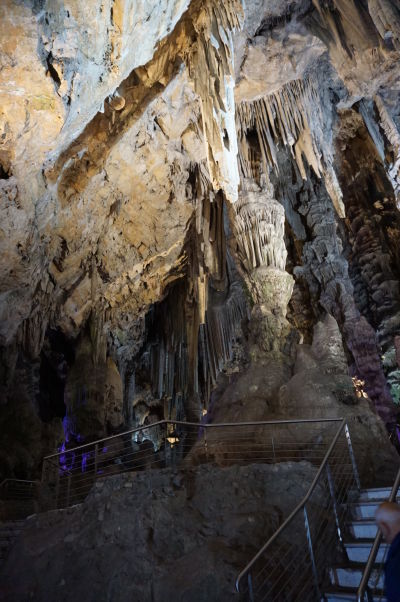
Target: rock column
(259, 225)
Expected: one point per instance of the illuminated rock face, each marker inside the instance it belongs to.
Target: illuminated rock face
(259, 230)
(129, 134)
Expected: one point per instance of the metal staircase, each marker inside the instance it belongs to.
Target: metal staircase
(324, 551)
(361, 527)
(335, 520)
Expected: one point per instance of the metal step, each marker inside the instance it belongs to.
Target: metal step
(363, 528)
(358, 551)
(345, 579)
(346, 594)
(379, 493)
(365, 509)
(350, 576)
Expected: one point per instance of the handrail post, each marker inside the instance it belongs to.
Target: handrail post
(167, 452)
(96, 459)
(57, 490)
(352, 457)
(43, 471)
(311, 550)
(68, 488)
(250, 587)
(334, 502)
(205, 444)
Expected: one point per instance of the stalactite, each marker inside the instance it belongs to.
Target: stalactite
(393, 136)
(386, 19)
(224, 317)
(325, 270)
(259, 228)
(211, 68)
(290, 117)
(183, 357)
(346, 26)
(373, 225)
(98, 337)
(190, 334)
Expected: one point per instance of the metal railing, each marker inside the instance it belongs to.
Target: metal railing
(292, 565)
(68, 476)
(365, 591)
(18, 489)
(18, 498)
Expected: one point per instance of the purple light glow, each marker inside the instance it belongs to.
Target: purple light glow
(63, 457)
(66, 425)
(85, 457)
(66, 458)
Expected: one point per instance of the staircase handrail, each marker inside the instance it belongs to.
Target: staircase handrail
(196, 424)
(19, 489)
(299, 507)
(16, 481)
(375, 547)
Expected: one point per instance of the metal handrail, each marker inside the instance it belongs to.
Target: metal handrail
(299, 507)
(196, 424)
(375, 547)
(21, 490)
(16, 481)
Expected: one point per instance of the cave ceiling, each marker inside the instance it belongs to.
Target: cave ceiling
(132, 136)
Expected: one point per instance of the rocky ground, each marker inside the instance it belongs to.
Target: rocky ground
(156, 536)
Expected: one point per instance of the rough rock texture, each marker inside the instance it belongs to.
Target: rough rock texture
(199, 220)
(321, 387)
(155, 536)
(259, 232)
(318, 385)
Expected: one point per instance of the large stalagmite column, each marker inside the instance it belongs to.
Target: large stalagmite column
(259, 229)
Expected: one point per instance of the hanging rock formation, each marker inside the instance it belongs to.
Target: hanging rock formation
(144, 260)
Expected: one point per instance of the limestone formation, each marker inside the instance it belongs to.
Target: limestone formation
(144, 259)
(259, 231)
(199, 222)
